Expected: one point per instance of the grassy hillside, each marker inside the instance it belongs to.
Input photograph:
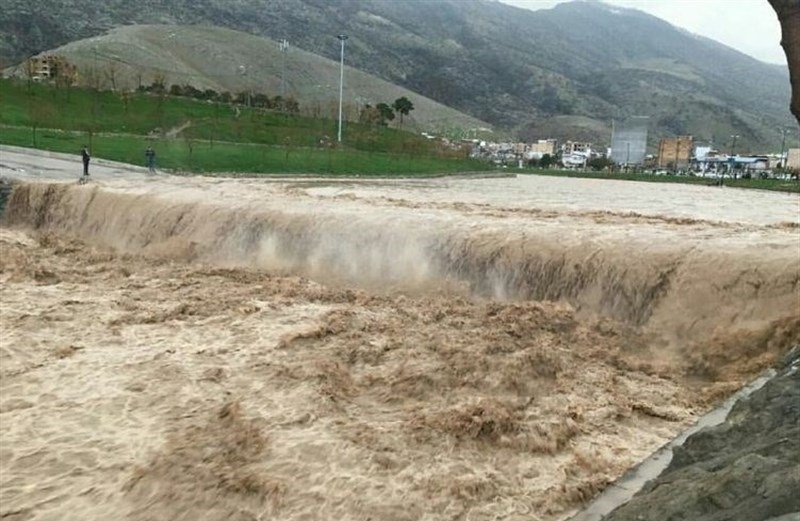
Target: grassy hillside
(549, 73)
(226, 60)
(200, 136)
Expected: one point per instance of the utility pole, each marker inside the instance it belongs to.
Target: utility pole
(783, 147)
(342, 38)
(243, 72)
(284, 49)
(612, 143)
(628, 156)
(731, 160)
(95, 100)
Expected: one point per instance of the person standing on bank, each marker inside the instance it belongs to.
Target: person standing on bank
(86, 157)
(151, 159)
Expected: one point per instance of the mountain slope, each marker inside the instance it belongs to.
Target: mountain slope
(226, 60)
(508, 66)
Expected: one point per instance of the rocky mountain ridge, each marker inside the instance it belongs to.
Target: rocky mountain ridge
(565, 72)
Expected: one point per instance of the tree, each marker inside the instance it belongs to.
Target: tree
(788, 12)
(291, 105)
(125, 96)
(386, 113)
(369, 115)
(546, 161)
(40, 115)
(599, 163)
(29, 68)
(191, 92)
(403, 106)
(111, 73)
(66, 74)
(91, 78)
(262, 100)
(159, 85)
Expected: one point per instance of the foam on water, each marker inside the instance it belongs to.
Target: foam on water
(193, 379)
(684, 277)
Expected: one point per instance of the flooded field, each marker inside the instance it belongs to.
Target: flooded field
(186, 348)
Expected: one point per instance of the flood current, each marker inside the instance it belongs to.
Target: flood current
(689, 259)
(476, 347)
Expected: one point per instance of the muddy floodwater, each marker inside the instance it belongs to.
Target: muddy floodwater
(221, 348)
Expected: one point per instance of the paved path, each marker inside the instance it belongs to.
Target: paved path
(26, 163)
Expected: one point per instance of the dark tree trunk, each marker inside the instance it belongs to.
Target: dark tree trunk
(789, 16)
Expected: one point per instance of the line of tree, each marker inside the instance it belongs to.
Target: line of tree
(258, 100)
(600, 163)
(546, 161)
(383, 113)
(597, 164)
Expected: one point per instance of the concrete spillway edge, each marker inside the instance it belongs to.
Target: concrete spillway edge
(623, 490)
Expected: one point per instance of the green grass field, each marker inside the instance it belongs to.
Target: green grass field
(214, 137)
(200, 156)
(202, 137)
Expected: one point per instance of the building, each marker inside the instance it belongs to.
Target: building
(793, 159)
(675, 153)
(537, 149)
(577, 160)
(751, 163)
(701, 152)
(775, 161)
(571, 148)
(540, 148)
(629, 140)
(50, 67)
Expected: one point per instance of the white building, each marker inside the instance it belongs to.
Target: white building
(793, 159)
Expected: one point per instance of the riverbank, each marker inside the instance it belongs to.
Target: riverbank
(745, 469)
(778, 185)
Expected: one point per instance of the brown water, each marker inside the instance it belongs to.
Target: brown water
(184, 348)
(578, 196)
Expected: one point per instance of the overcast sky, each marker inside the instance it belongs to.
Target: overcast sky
(749, 26)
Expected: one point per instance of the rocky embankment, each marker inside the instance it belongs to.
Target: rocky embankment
(745, 469)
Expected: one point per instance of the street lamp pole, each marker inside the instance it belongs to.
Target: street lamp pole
(284, 49)
(783, 147)
(342, 38)
(96, 81)
(732, 159)
(243, 72)
(628, 156)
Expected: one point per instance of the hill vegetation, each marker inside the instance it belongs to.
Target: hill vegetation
(202, 136)
(223, 60)
(564, 72)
